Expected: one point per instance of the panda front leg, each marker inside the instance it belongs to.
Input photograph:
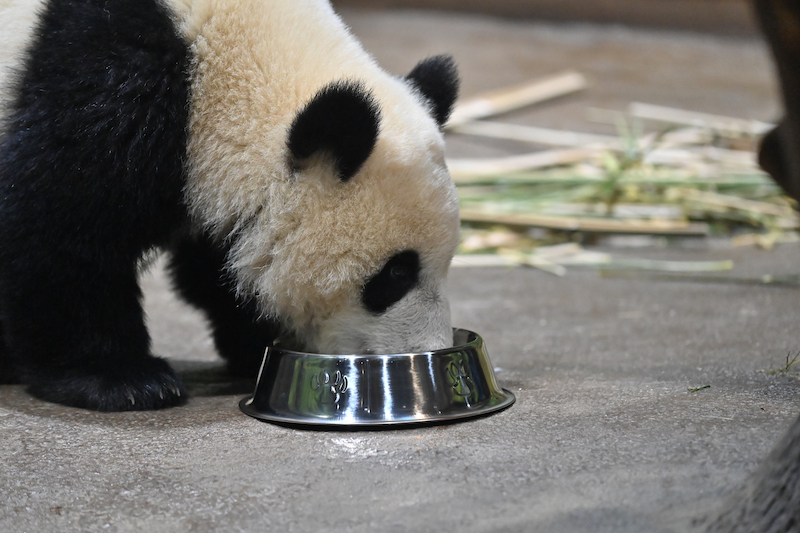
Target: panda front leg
(91, 177)
(240, 334)
(75, 331)
(8, 373)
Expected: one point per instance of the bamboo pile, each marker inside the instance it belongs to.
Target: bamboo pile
(695, 176)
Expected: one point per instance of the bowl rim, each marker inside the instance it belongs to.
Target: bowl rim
(473, 340)
(501, 402)
(498, 400)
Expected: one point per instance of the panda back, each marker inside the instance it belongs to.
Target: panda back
(95, 126)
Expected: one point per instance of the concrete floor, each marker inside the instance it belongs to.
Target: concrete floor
(605, 435)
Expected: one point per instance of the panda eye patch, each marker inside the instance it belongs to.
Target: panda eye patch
(398, 272)
(397, 277)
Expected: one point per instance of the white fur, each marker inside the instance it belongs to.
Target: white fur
(17, 18)
(305, 243)
(419, 322)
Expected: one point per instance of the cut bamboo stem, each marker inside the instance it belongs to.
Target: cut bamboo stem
(674, 176)
(774, 281)
(596, 225)
(669, 266)
(535, 261)
(734, 202)
(552, 137)
(766, 241)
(583, 259)
(620, 211)
(463, 170)
(682, 156)
(534, 135)
(722, 124)
(482, 260)
(510, 98)
(685, 136)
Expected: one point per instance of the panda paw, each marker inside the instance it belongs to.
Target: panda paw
(145, 384)
(8, 374)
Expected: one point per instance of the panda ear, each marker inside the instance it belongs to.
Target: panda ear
(437, 79)
(343, 120)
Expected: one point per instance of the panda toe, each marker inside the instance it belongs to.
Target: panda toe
(145, 385)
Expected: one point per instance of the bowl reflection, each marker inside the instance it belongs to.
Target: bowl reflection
(376, 390)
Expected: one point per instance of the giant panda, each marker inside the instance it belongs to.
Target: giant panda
(299, 190)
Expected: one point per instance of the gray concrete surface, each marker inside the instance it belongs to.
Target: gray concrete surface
(605, 435)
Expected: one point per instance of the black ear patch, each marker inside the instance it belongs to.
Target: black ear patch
(343, 119)
(437, 79)
(398, 276)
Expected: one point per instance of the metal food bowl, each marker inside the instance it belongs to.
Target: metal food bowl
(377, 390)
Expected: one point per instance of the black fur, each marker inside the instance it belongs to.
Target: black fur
(8, 373)
(436, 78)
(771, 156)
(779, 153)
(769, 501)
(397, 277)
(240, 337)
(770, 498)
(90, 179)
(342, 120)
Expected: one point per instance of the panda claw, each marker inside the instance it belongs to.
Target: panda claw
(152, 384)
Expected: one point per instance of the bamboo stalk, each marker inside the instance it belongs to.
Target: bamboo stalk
(685, 136)
(662, 176)
(516, 132)
(766, 241)
(597, 225)
(515, 97)
(685, 156)
(463, 169)
(579, 257)
(768, 280)
(734, 202)
(719, 123)
(620, 211)
(669, 266)
(535, 261)
(535, 135)
(572, 254)
(566, 249)
(506, 259)
(482, 260)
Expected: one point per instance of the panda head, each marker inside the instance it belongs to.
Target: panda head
(352, 250)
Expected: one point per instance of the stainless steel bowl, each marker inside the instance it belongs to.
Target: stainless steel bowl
(377, 390)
